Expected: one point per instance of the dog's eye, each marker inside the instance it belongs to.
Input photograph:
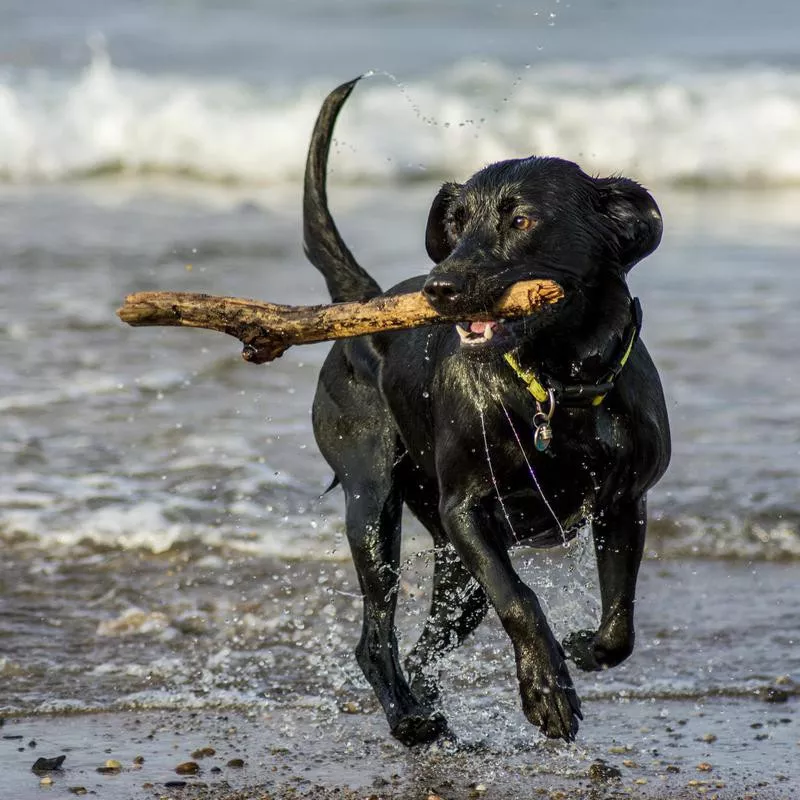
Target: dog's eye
(522, 223)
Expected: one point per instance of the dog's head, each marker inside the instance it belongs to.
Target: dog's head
(532, 218)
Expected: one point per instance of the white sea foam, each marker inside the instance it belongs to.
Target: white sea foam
(249, 527)
(668, 124)
(147, 526)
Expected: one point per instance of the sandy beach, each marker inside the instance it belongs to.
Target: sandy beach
(718, 748)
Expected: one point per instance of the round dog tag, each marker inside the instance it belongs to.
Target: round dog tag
(542, 437)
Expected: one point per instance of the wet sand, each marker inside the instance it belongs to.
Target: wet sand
(716, 748)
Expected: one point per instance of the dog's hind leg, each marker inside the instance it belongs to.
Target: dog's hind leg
(458, 604)
(619, 543)
(373, 531)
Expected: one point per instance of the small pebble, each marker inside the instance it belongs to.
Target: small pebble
(48, 764)
(600, 771)
(618, 750)
(188, 768)
(112, 763)
(708, 737)
(77, 789)
(138, 760)
(175, 784)
(236, 762)
(672, 769)
(350, 707)
(46, 781)
(773, 695)
(641, 781)
(704, 766)
(204, 752)
(628, 763)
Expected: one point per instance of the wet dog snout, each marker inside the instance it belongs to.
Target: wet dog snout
(443, 290)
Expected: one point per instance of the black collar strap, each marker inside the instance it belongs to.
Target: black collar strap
(581, 394)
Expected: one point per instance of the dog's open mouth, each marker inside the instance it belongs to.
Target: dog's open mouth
(474, 334)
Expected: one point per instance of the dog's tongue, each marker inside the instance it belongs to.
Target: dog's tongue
(479, 327)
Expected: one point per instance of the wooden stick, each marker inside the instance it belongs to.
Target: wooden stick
(266, 329)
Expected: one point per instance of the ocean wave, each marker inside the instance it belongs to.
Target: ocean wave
(776, 539)
(253, 528)
(665, 124)
(147, 527)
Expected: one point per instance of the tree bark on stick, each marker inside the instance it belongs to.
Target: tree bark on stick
(267, 329)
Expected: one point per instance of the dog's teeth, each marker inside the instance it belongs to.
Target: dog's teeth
(462, 333)
(488, 332)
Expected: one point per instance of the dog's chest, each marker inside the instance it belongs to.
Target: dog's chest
(474, 428)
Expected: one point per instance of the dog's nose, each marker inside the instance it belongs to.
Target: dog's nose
(441, 290)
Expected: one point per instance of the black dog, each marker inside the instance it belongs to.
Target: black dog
(495, 433)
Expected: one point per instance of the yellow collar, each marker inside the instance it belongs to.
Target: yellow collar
(580, 394)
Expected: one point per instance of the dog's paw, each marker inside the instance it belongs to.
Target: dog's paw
(549, 700)
(604, 649)
(580, 649)
(419, 728)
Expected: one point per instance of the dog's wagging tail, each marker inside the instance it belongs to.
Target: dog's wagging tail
(494, 432)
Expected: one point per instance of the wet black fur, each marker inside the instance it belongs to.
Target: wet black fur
(411, 417)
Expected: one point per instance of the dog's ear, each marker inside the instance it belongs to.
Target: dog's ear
(437, 242)
(635, 217)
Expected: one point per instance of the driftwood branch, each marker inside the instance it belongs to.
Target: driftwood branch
(266, 329)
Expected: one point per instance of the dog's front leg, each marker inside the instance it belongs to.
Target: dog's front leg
(549, 699)
(619, 543)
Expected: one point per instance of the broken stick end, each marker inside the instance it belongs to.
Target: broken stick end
(263, 351)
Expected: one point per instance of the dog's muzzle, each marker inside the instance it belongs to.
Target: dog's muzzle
(447, 294)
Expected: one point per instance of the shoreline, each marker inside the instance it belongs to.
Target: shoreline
(667, 749)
